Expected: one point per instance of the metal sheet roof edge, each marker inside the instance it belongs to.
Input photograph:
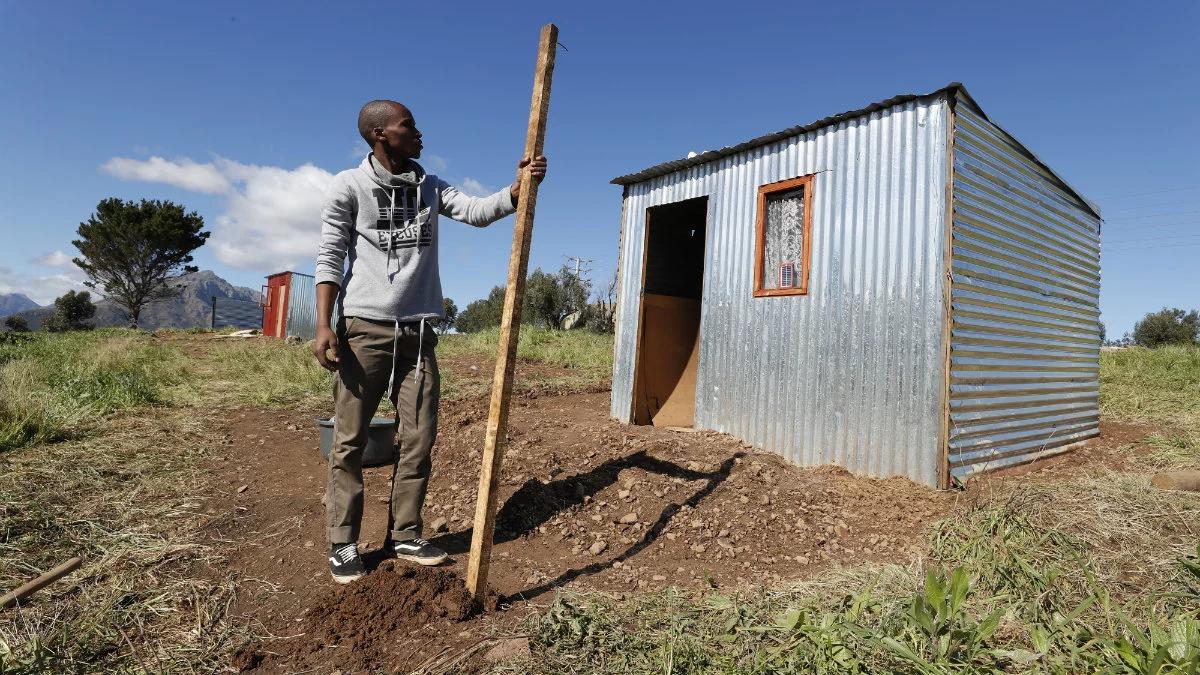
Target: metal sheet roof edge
(952, 89)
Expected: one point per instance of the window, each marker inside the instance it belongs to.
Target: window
(784, 230)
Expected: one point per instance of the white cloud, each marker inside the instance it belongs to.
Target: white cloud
(436, 162)
(183, 173)
(54, 258)
(271, 220)
(42, 289)
(470, 186)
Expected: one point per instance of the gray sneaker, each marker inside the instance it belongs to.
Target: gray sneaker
(416, 550)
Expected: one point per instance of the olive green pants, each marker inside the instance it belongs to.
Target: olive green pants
(365, 364)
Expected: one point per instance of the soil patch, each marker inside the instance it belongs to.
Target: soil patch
(364, 625)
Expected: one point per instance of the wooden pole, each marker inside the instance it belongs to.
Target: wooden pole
(510, 325)
(49, 577)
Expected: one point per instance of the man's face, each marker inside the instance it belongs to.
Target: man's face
(401, 135)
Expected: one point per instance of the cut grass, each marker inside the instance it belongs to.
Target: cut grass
(56, 384)
(589, 353)
(149, 597)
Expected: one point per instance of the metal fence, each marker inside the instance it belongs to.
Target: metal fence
(230, 313)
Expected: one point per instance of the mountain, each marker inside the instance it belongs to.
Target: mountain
(11, 303)
(191, 309)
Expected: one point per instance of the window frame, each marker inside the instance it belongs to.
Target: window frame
(765, 191)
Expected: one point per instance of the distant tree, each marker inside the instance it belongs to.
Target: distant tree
(482, 314)
(132, 251)
(1167, 326)
(17, 323)
(602, 313)
(450, 312)
(551, 298)
(1103, 332)
(73, 310)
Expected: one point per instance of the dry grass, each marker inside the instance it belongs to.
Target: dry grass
(149, 596)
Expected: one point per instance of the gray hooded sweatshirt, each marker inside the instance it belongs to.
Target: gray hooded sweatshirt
(379, 239)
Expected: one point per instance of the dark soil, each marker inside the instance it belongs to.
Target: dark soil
(367, 623)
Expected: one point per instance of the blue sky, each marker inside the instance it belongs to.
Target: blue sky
(250, 106)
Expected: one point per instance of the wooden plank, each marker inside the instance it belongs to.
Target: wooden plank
(943, 468)
(510, 325)
(32, 587)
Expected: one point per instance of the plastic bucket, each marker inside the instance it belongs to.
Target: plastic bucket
(381, 441)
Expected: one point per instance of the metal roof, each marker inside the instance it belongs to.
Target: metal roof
(952, 89)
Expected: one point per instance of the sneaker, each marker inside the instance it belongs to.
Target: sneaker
(345, 564)
(416, 550)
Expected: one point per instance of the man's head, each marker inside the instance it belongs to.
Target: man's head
(392, 124)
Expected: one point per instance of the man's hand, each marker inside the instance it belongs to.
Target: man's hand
(326, 342)
(534, 168)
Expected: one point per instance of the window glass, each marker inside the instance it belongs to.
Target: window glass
(783, 239)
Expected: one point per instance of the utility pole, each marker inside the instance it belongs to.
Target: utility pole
(579, 263)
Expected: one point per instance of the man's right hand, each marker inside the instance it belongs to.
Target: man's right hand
(325, 343)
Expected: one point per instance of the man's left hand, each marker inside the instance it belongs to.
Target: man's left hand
(533, 168)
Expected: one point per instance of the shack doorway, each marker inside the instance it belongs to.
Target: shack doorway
(664, 383)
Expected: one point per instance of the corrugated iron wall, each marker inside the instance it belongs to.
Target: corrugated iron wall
(302, 307)
(849, 374)
(1025, 343)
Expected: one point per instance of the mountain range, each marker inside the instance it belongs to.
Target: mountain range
(11, 303)
(191, 309)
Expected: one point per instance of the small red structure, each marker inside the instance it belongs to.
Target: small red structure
(274, 304)
(289, 305)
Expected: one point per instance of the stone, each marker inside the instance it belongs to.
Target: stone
(243, 489)
(659, 577)
(509, 651)
(598, 547)
(440, 525)
(628, 519)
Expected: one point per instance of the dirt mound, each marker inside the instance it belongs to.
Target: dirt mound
(359, 625)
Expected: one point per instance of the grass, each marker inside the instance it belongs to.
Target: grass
(1052, 577)
(1160, 385)
(589, 353)
(149, 597)
(57, 384)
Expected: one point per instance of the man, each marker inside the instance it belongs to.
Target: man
(378, 260)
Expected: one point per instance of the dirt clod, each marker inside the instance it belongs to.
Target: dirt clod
(362, 620)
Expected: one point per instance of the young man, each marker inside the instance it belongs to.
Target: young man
(378, 260)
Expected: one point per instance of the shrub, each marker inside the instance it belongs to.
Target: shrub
(1167, 327)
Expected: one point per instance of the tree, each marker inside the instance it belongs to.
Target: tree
(73, 310)
(132, 251)
(17, 323)
(1167, 326)
(1103, 331)
(482, 314)
(450, 310)
(551, 298)
(602, 313)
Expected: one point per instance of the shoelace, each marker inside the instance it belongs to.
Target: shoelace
(347, 553)
(418, 542)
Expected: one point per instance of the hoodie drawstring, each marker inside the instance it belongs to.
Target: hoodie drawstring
(396, 354)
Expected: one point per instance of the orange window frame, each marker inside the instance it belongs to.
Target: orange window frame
(760, 231)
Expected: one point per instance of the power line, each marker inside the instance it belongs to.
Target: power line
(1153, 192)
(1141, 239)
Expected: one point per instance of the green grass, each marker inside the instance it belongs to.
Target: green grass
(261, 371)
(589, 353)
(56, 384)
(1160, 385)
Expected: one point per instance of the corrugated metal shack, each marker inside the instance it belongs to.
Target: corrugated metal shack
(290, 306)
(903, 289)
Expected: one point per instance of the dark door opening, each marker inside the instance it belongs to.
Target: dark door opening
(664, 383)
